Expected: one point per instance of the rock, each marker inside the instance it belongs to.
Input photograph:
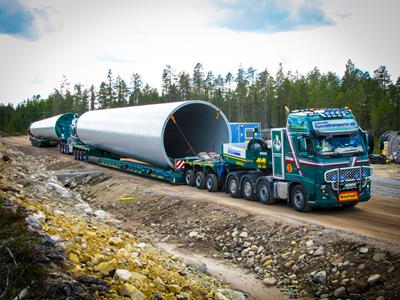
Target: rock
(174, 288)
(85, 208)
(123, 253)
(115, 241)
(243, 235)
(319, 251)
(122, 275)
(320, 277)
(232, 295)
(93, 283)
(309, 243)
(340, 292)
(363, 250)
(354, 296)
(58, 189)
(378, 257)
(55, 239)
(380, 298)
(33, 222)
(361, 267)
(130, 291)
(219, 296)
(137, 277)
(193, 234)
(106, 267)
(159, 284)
(101, 214)
(357, 287)
(374, 279)
(74, 258)
(201, 267)
(270, 281)
(302, 257)
(391, 269)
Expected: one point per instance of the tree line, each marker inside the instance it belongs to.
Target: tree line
(244, 96)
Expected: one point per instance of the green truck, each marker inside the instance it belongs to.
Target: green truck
(319, 159)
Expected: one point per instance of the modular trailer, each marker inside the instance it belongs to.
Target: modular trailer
(319, 159)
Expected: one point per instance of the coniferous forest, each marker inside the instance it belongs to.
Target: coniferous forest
(247, 95)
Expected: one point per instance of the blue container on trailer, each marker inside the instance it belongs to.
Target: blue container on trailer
(243, 132)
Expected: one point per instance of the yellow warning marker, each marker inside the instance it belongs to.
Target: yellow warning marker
(126, 199)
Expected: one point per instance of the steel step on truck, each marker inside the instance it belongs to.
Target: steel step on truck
(319, 159)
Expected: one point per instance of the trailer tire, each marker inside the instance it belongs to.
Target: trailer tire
(212, 183)
(233, 187)
(74, 152)
(247, 189)
(200, 180)
(189, 177)
(264, 193)
(298, 198)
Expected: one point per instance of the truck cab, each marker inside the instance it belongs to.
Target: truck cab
(321, 159)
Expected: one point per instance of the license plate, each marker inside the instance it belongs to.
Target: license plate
(348, 196)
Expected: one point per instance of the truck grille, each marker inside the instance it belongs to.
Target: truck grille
(348, 175)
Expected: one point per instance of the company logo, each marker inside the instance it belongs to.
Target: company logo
(277, 144)
(289, 168)
(233, 151)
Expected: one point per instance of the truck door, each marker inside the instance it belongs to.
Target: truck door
(303, 146)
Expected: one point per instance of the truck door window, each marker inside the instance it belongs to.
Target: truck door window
(249, 133)
(305, 146)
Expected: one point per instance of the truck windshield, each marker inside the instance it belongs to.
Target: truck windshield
(340, 144)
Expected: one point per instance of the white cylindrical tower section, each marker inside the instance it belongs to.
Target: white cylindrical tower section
(148, 133)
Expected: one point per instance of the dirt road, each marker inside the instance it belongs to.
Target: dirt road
(377, 219)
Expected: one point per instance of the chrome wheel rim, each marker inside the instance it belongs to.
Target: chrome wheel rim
(298, 199)
(247, 189)
(233, 186)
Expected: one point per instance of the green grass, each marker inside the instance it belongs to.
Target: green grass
(18, 251)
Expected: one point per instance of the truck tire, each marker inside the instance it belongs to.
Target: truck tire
(298, 197)
(74, 152)
(189, 177)
(212, 183)
(233, 187)
(247, 189)
(264, 193)
(200, 180)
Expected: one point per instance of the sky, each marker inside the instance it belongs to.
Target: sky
(43, 40)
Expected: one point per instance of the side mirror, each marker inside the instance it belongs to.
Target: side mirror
(369, 140)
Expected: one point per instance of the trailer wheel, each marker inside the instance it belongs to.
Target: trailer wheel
(74, 152)
(212, 183)
(189, 177)
(247, 189)
(298, 197)
(233, 187)
(200, 180)
(264, 193)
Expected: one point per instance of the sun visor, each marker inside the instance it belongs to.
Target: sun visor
(335, 126)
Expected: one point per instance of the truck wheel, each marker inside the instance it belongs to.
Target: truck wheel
(298, 197)
(200, 180)
(60, 147)
(74, 152)
(247, 189)
(189, 177)
(264, 193)
(233, 187)
(212, 183)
